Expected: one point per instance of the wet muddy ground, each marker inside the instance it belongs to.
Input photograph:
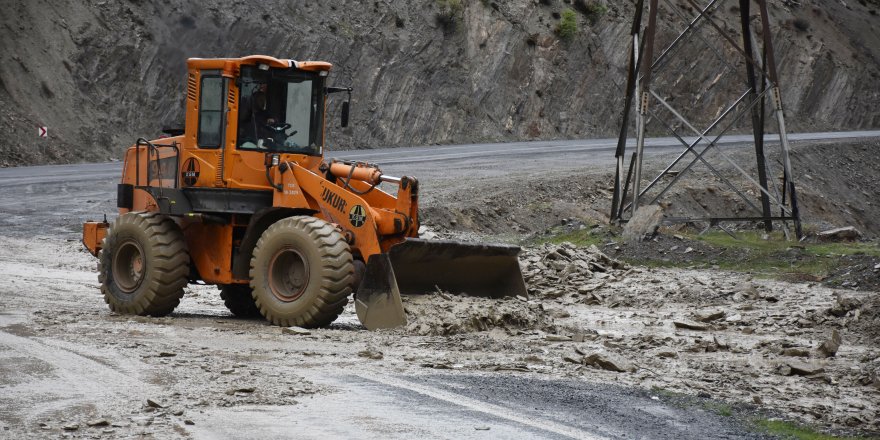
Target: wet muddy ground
(601, 349)
(643, 337)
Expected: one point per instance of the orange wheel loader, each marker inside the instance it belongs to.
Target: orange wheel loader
(242, 198)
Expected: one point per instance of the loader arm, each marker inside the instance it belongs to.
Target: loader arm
(371, 220)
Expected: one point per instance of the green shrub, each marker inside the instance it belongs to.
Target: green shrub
(568, 26)
(449, 11)
(595, 11)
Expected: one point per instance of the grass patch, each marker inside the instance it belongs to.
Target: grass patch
(748, 252)
(776, 243)
(788, 430)
(777, 256)
(722, 409)
(581, 238)
(665, 393)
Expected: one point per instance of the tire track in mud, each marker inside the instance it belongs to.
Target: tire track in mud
(51, 377)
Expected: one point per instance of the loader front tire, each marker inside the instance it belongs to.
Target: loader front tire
(239, 300)
(144, 265)
(301, 272)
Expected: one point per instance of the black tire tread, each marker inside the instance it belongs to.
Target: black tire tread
(336, 276)
(168, 268)
(239, 299)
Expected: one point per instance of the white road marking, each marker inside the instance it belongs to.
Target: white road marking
(484, 407)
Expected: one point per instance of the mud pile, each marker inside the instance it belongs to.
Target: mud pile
(551, 271)
(860, 315)
(440, 313)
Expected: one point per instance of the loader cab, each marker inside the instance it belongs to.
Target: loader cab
(242, 110)
(280, 110)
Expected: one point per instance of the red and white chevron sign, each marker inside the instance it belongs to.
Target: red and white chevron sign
(43, 132)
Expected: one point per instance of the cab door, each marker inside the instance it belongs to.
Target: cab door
(202, 163)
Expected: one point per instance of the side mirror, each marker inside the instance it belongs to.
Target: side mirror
(346, 107)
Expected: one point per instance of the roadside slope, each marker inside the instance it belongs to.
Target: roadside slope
(99, 74)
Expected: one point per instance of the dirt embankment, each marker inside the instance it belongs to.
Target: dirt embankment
(836, 184)
(99, 74)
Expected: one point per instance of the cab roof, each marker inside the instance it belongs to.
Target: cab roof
(232, 63)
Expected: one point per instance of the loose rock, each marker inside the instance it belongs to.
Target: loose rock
(154, 404)
(690, 325)
(795, 352)
(371, 354)
(848, 233)
(831, 345)
(667, 353)
(710, 316)
(644, 222)
(244, 390)
(295, 331)
(607, 361)
(800, 368)
(558, 313)
(843, 305)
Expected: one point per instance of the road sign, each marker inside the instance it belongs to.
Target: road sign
(43, 132)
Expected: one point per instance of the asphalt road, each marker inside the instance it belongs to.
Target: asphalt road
(427, 160)
(56, 199)
(468, 406)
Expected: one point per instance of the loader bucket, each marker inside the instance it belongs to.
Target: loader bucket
(419, 266)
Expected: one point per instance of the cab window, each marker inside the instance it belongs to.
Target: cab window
(281, 111)
(211, 112)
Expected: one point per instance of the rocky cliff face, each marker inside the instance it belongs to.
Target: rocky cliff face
(101, 73)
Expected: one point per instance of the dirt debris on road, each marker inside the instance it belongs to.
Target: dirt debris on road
(589, 316)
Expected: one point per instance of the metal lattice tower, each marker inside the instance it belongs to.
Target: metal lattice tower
(761, 91)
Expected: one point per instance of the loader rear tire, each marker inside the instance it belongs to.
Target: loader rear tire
(301, 272)
(144, 265)
(239, 300)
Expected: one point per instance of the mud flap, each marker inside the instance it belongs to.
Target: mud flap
(420, 266)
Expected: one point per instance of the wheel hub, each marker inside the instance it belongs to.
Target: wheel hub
(288, 274)
(128, 266)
